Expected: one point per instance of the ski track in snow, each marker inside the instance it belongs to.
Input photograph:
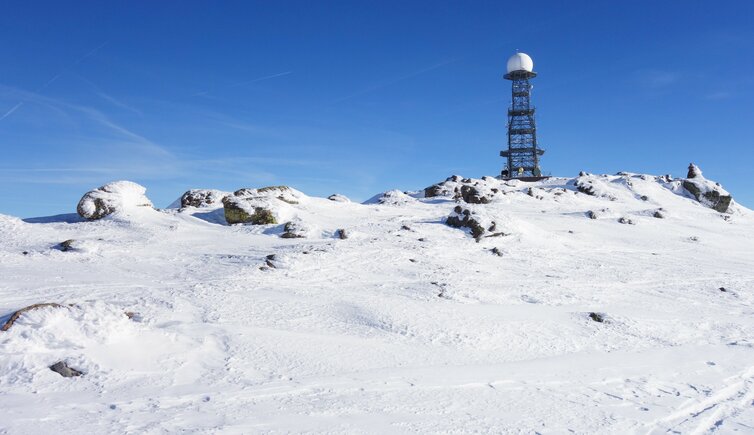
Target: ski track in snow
(391, 330)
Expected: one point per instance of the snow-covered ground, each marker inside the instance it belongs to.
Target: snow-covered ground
(407, 325)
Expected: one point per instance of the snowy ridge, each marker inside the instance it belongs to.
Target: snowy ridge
(181, 322)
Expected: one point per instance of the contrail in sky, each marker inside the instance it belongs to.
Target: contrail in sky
(55, 77)
(248, 82)
(13, 109)
(272, 76)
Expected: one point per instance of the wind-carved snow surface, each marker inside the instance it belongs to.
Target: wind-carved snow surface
(406, 325)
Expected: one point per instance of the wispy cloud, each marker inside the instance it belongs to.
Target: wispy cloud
(54, 78)
(657, 79)
(718, 95)
(118, 103)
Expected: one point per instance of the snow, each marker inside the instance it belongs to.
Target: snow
(408, 325)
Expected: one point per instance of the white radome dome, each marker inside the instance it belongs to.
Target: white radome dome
(520, 62)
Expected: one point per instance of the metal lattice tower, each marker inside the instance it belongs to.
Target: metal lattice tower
(523, 152)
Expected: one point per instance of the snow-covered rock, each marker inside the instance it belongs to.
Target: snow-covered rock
(479, 224)
(114, 197)
(282, 193)
(255, 211)
(707, 192)
(263, 206)
(297, 229)
(338, 198)
(392, 197)
(200, 198)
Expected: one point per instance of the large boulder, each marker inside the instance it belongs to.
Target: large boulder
(263, 206)
(247, 211)
(708, 193)
(117, 196)
(202, 198)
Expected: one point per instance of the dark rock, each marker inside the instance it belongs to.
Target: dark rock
(597, 317)
(434, 190)
(25, 252)
(722, 289)
(658, 214)
(584, 186)
(716, 200)
(472, 195)
(12, 319)
(270, 261)
(463, 218)
(591, 214)
(341, 234)
(66, 245)
(64, 370)
(644, 198)
(694, 171)
(201, 198)
(625, 220)
(497, 252)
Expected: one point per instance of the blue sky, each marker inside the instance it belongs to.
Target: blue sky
(359, 97)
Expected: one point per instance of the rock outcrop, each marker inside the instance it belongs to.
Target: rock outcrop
(263, 206)
(708, 193)
(113, 197)
(244, 211)
(479, 226)
(202, 198)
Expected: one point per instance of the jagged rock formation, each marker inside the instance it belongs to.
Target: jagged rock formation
(202, 198)
(706, 192)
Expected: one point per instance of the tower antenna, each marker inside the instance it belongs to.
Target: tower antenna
(523, 152)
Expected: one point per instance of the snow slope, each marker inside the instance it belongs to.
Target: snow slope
(408, 325)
